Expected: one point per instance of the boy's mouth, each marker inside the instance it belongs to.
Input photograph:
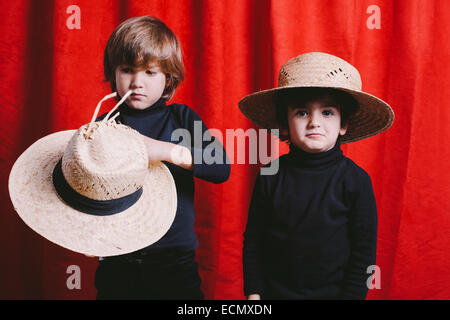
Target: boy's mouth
(312, 135)
(137, 96)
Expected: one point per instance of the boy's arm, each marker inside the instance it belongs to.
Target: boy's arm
(253, 242)
(170, 152)
(363, 236)
(209, 158)
(164, 151)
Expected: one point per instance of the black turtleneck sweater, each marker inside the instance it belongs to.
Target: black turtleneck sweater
(159, 121)
(312, 229)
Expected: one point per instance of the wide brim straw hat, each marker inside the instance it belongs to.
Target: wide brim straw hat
(93, 191)
(321, 70)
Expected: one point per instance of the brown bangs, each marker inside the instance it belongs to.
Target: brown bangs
(138, 42)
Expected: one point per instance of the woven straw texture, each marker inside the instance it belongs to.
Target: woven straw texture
(317, 69)
(108, 163)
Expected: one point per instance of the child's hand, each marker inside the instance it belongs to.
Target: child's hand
(254, 296)
(170, 152)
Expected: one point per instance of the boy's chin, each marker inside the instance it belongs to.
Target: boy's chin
(314, 147)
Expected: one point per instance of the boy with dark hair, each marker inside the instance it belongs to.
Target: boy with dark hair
(312, 226)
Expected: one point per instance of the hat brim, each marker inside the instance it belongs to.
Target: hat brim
(40, 207)
(374, 115)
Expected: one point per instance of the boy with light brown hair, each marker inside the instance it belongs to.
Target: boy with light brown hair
(144, 56)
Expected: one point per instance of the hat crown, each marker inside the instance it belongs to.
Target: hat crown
(109, 162)
(318, 69)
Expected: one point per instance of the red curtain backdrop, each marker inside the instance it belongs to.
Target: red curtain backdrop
(51, 78)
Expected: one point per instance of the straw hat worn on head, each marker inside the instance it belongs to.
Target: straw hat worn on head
(317, 69)
(92, 190)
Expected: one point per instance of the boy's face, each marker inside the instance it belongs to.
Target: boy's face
(315, 125)
(147, 84)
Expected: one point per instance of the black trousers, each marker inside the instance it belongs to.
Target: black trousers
(157, 275)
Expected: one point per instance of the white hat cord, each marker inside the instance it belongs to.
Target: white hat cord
(108, 96)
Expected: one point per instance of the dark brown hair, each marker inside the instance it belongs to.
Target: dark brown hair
(298, 97)
(139, 41)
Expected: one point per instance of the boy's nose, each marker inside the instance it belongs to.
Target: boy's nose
(314, 120)
(137, 80)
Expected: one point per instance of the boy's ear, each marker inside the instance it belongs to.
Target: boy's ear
(343, 129)
(168, 80)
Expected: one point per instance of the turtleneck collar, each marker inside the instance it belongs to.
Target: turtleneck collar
(158, 105)
(301, 158)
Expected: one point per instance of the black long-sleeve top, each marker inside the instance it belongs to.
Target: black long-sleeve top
(159, 122)
(311, 230)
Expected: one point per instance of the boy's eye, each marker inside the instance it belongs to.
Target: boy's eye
(327, 112)
(150, 72)
(125, 69)
(301, 113)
